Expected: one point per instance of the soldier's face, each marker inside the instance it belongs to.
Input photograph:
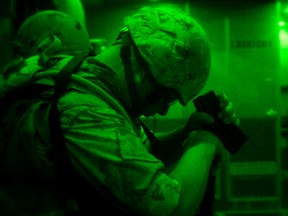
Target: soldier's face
(162, 105)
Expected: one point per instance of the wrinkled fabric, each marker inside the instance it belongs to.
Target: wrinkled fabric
(107, 146)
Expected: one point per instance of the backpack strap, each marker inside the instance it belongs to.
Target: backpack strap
(61, 85)
(58, 154)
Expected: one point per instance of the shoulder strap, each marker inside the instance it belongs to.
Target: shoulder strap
(61, 85)
(58, 154)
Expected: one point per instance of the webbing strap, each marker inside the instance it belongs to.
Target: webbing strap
(125, 55)
(58, 153)
(61, 85)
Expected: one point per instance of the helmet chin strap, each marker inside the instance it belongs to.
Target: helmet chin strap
(125, 55)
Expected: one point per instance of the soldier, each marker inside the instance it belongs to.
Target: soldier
(98, 156)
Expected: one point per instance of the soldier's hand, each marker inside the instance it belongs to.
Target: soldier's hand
(197, 121)
(227, 113)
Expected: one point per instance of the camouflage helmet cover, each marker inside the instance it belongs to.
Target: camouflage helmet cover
(45, 24)
(175, 47)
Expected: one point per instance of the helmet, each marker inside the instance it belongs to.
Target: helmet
(175, 47)
(45, 25)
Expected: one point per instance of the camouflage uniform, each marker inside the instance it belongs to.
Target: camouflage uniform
(107, 146)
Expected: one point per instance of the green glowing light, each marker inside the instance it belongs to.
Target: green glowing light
(281, 23)
(283, 38)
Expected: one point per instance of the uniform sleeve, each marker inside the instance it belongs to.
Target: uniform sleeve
(106, 150)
